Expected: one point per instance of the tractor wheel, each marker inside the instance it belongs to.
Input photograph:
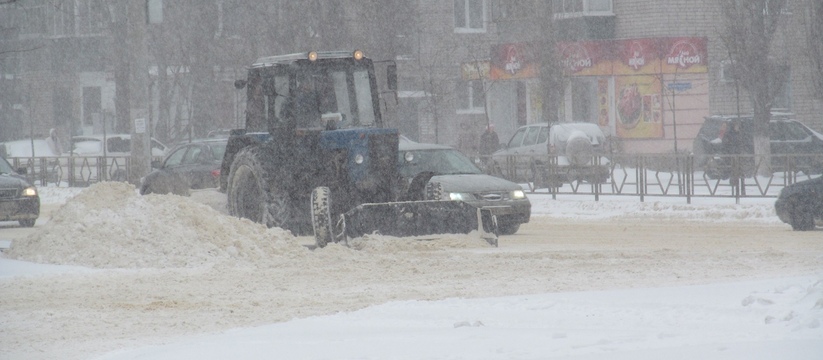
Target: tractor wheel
(255, 191)
(434, 191)
(321, 216)
(801, 216)
(27, 223)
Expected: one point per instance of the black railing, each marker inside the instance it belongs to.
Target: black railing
(642, 175)
(74, 171)
(654, 175)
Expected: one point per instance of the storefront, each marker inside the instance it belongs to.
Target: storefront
(644, 92)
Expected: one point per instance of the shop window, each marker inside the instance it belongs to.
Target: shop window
(584, 100)
(470, 15)
(470, 97)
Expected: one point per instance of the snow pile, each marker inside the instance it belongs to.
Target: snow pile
(713, 212)
(109, 225)
(389, 244)
(797, 306)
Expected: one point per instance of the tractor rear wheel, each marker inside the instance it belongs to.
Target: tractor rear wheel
(321, 216)
(255, 190)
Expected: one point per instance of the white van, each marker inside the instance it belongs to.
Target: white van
(87, 149)
(577, 153)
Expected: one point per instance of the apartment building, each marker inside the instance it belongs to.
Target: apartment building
(647, 72)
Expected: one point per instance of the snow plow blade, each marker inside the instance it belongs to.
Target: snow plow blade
(419, 218)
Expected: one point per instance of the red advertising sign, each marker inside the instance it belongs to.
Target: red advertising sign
(512, 61)
(687, 54)
(584, 58)
(637, 56)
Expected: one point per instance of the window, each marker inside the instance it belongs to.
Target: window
(571, 8)
(727, 71)
(470, 15)
(531, 136)
(470, 97)
(90, 17)
(33, 21)
(61, 20)
(517, 138)
(176, 158)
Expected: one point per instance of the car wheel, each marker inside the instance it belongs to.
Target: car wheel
(801, 216)
(27, 223)
(321, 216)
(507, 228)
(434, 191)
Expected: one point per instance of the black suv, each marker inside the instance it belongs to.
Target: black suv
(786, 136)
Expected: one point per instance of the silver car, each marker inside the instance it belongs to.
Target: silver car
(460, 179)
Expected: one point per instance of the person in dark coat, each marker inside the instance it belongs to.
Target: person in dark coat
(732, 147)
(489, 141)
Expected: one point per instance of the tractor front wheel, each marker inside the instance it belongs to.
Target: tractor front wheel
(321, 219)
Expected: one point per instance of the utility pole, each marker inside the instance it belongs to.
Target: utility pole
(139, 91)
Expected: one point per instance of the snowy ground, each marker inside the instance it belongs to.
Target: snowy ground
(112, 275)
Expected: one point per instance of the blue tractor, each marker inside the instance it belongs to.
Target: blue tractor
(316, 158)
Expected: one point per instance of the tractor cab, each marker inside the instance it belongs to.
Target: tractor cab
(313, 90)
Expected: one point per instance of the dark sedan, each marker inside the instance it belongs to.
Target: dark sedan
(18, 198)
(801, 204)
(462, 180)
(194, 165)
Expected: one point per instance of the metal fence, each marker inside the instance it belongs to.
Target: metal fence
(74, 171)
(668, 175)
(644, 175)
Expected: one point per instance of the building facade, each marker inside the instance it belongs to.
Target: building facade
(647, 72)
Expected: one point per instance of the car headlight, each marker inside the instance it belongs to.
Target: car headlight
(460, 196)
(30, 191)
(518, 194)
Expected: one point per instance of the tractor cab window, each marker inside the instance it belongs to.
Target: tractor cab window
(310, 97)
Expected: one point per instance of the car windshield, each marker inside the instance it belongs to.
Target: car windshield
(5, 167)
(438, 161)
(217, 151)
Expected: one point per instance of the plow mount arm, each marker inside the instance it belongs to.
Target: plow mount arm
(420, 218)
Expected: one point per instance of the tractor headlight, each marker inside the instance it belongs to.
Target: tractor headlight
(358, 55)
(518, 194)
(30, 191)
(359, 159)
(408, 156)
(460, 196)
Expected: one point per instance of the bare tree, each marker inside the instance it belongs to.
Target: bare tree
(813, 28)
(749, 28)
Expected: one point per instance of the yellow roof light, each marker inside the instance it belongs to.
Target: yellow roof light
(312, 55)
(358, 55)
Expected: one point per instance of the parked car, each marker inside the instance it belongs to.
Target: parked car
(38, 156)
(580, 150)
(801, 204)
(117, 145)
(460, 179)
(87, 149)
(19, 200)
(786, 137)
(195, 165)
